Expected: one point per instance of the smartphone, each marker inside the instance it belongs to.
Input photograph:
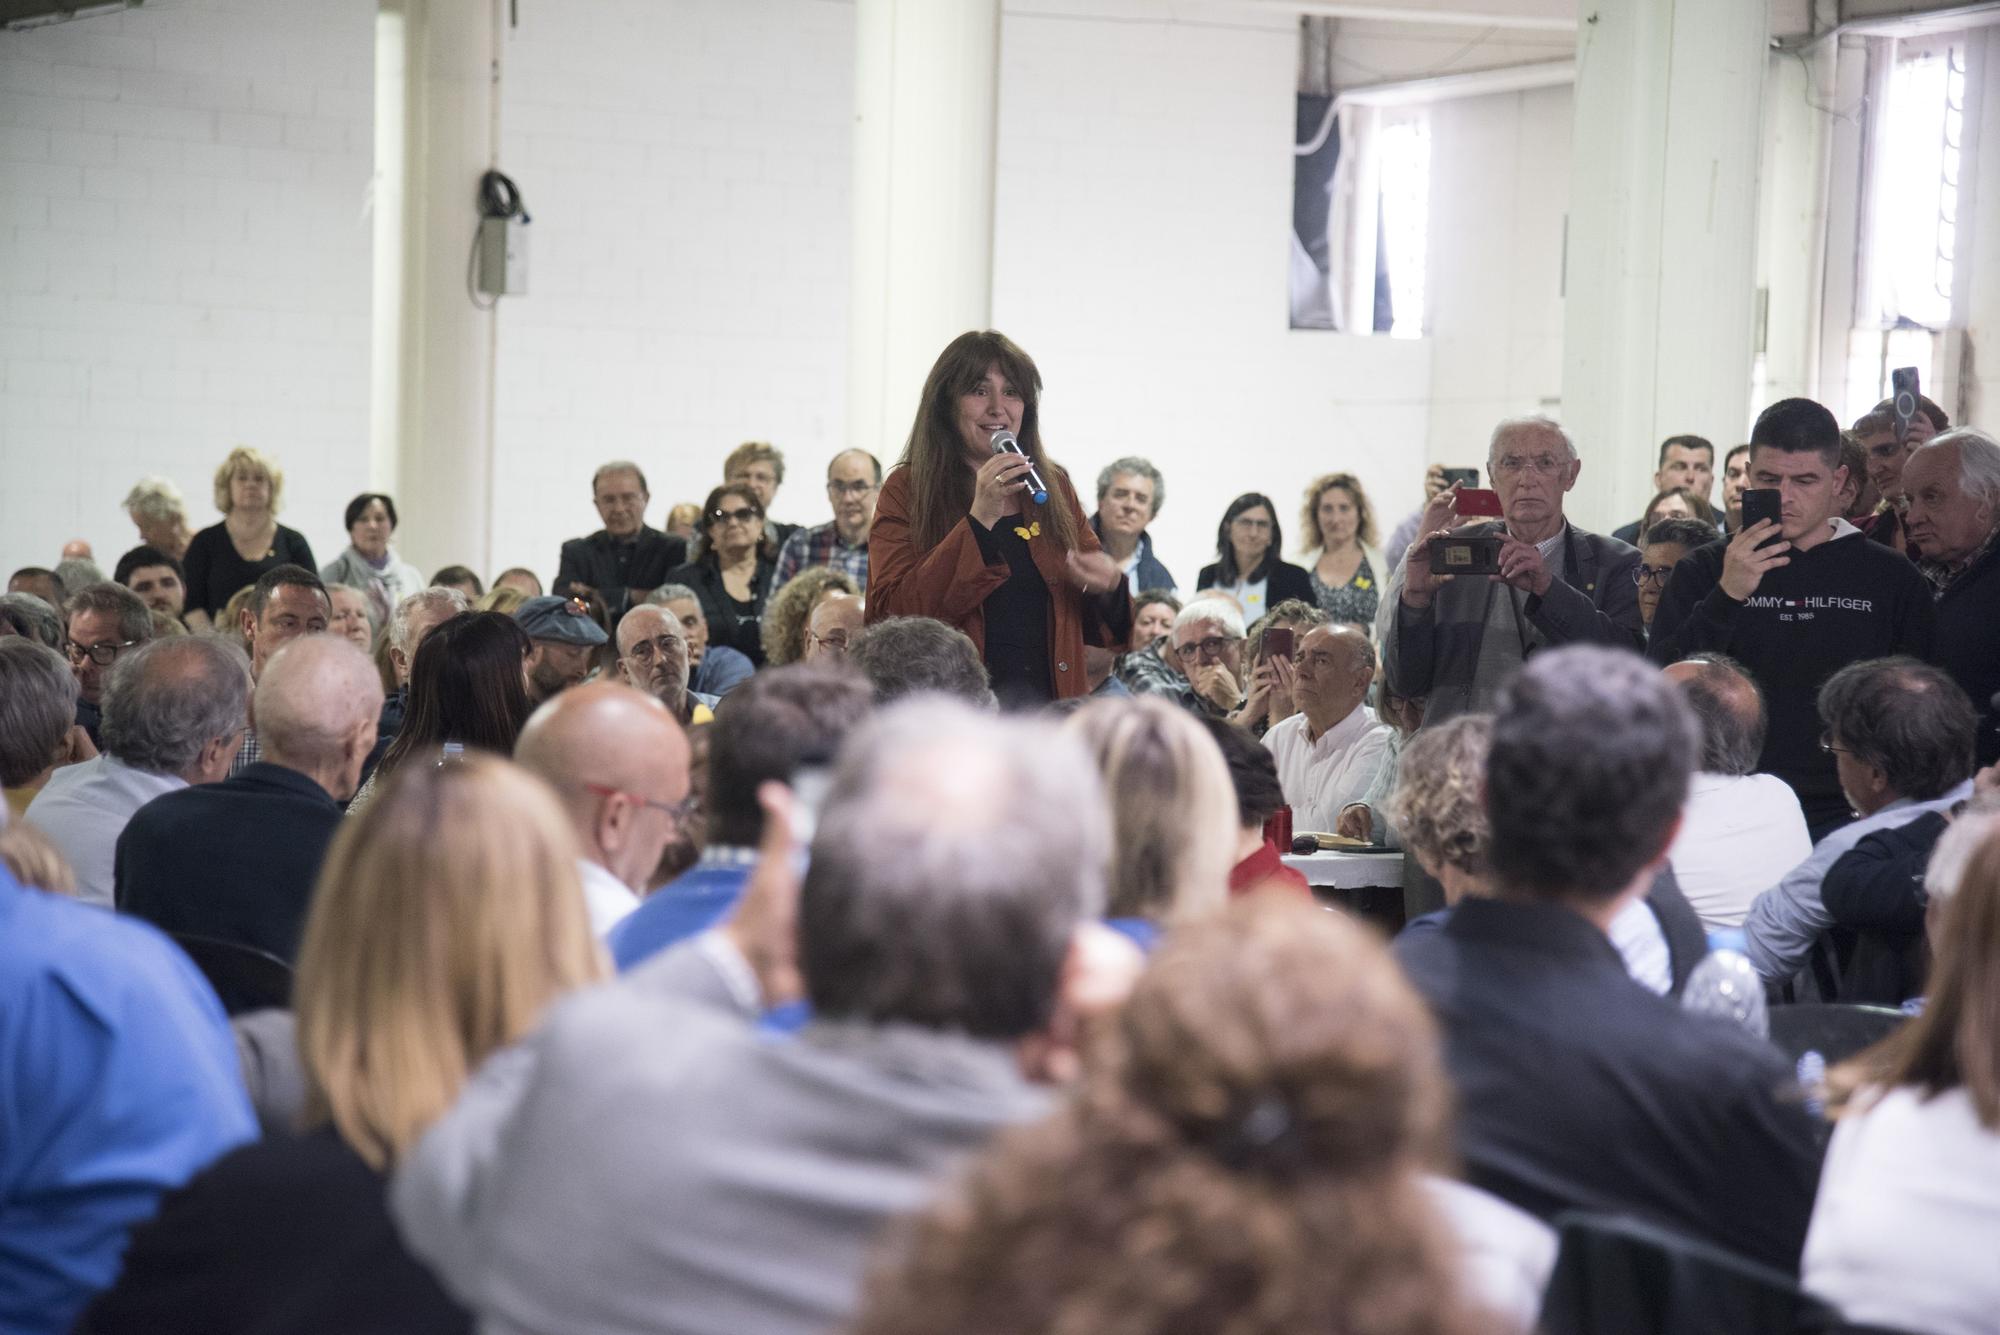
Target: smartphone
(1759, 504)
(1278, 642)
(1903, 392)
(1478, 504)
(1465, 477)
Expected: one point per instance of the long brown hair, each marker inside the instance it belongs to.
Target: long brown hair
(1956, 1041)
(1243, 1155)
(940, 483)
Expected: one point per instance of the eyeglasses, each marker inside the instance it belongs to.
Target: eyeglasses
(849, 488)
(1548, 465)
(741, 516)
(664, 646)
(1826, 745)
(1643, 575)
(678, 810)
(1214, 646)
(104, 653)
(835, 642)
(1242, 521)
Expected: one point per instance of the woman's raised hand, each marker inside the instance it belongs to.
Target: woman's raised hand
(997, 485)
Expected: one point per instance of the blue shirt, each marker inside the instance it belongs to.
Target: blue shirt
(722, 670)
(683, 908)
(118, 1082)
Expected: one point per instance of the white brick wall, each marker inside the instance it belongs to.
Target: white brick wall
(184, 262)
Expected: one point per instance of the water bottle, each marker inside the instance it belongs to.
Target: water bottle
(1725, 984)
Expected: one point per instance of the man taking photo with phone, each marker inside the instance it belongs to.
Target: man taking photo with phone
(1795, 595)
(1457, 638)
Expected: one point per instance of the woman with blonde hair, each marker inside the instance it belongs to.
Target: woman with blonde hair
(790, 609)
(224, 557)
(1173, 812)
(1338, 523)
(1244, 1155)
(447, 918)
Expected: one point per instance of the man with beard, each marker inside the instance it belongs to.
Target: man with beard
(565, 640)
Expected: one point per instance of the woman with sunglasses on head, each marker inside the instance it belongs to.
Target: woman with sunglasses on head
(733, 558)
(991, 542)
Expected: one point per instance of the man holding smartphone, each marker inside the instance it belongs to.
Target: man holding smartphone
(1457, 638)
(1795, 595)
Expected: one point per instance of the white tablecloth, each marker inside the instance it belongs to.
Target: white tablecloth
(1348, 871)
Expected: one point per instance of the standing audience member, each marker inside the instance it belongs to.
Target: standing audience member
(1338, 522)
(521, 579)
(461, 579)
(37, 717)
(619, 764)
(1130, 492)
(1687, 463)
(653, 658)
(103, 622)
(1406, 532)
(1579, 1091)
(174, 715)
(159, 511)
(1327, 753)
(370, 564)
(1173, 838)
(1795, 601)
(1741, 831)
(236, 861)
(790, 609)
(1253, 774)
(730, 569)
(467, 690)
(832, 628)
(1902, 1231)
(782, 721)
(285, 603)
(1246, 1151)
(350, 616)
(1456, 642)
(760, 466)
(1248, 561)
(1666, 543)
(626, 559)
(1675, 503)
(853, 481)
(447, 920)
(118, 1082)
(683, 521)
(917, 656)
(156, 577)
(1900, 735)
(38, 581)
(715, 669)
(940, 975)
(224, 557)
(1735, 478)
(1954, 523)
(1886, 446)
(564, 640)
(960, 538)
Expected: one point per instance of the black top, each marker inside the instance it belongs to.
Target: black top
(234, 860)
(1876, 890)
(1283, 580)
(1968, 644)
(614, 566)
(287, 1236)
(1846, 600)
(741, 630)
(1580, 1090)
(215, 572)
(1017, 619)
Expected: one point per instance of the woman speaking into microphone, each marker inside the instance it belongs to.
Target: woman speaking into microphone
(991, 541)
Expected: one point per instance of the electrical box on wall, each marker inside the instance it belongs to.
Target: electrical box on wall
(503, 256)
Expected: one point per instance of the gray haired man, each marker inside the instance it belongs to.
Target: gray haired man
(1130, 492)
(938, 937)
(175, 712)
(1457, 639)
(100, 622)
(37, 706)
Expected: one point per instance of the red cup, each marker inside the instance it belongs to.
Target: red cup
(1278, 829)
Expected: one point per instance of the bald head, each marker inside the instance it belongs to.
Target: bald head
(1731, 709)
(653, 654)
(835, 622)
(1336, 663)
(315, 710)
(618, 760)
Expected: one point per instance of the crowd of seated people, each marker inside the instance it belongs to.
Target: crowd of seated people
(887, 923)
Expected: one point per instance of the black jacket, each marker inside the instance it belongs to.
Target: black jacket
(745, 634)
(1581, 1090)
(614, 569)
(234, 860)
(1283, 580)
(1968, 644)
(1876, 891)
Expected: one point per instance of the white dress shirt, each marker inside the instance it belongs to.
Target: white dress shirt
(84, 808)
(1739, 835)
(605, 897)
(1320, 777)
(1903, 1231)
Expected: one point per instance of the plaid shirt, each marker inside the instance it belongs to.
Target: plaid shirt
(1147, 672)
(1942, 576)
(249, 755)
(821, 546)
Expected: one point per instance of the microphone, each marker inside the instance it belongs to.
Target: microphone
(1003, 441)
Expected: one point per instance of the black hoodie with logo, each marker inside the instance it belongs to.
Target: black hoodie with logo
(1844, 601)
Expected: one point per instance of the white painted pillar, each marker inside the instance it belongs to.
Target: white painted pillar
(1978, 239)
(926, 100)
(440, 462)
(1660, 285)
